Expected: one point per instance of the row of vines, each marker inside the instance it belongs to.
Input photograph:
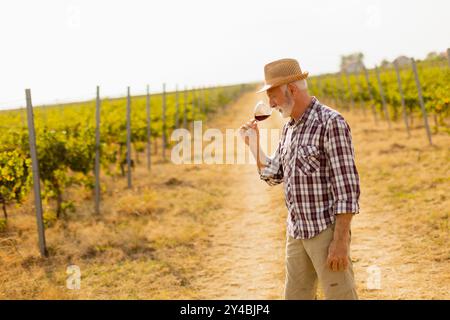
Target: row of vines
(65, 140)
(356, 89)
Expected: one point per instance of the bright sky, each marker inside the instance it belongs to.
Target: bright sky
(62, 49)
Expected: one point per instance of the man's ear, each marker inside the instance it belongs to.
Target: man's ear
(292, 88)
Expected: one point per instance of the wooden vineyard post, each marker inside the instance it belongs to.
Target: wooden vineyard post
(200, 102)
(332, 94)
(366, 75)
(422, 104)
(97, 152)
(149, 130)
(360, 99)
(129, 138)
(383, 99)
(185, 108)
(164, 138)
(204, 94)
(338, 94)
(342, 91)
(349, 88)
(197, 103)
(448, 56)
(193, 106)
(36, 179)
(402, 98)
(206, 97)
(177, 108)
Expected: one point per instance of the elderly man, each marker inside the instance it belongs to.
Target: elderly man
(315, 161)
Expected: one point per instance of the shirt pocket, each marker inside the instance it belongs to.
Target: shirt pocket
(308, 159)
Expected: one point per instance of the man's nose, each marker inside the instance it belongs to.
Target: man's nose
(272, 103)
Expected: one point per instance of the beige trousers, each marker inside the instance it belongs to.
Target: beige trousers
(306, 265)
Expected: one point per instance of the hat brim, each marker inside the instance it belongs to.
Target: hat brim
(266, 87)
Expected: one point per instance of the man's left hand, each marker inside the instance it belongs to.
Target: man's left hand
(338, 255)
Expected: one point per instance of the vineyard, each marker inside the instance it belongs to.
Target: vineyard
(182, 231)
(66, 141)
(390, 96)
(66, 134)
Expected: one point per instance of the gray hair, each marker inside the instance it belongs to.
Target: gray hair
(300, 84)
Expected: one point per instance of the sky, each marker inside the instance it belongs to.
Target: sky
(63, 49)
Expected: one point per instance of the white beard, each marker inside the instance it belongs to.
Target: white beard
(286, 110)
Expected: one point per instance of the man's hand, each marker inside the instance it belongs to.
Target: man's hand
(338, 255)
(249, 131)
(338, 251)
(250, 134)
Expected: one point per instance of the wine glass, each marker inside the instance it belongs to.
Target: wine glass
(262, 111)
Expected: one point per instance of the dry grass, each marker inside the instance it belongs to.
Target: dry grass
(404, 223)
(145, 244)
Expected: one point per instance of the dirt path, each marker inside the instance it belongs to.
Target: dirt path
(245, 260)
(246, 257)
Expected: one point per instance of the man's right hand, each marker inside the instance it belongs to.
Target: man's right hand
(249, 131)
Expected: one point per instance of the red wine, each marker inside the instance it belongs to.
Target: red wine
(262, 117)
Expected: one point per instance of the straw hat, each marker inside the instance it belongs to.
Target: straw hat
(281, 72)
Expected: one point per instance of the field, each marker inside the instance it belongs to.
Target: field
(217, 231)
(391, 102)
(66, 140)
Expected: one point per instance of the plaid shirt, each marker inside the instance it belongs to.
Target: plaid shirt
(315, 160)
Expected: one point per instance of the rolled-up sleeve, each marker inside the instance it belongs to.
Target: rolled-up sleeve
(343, 172)
(272, 173)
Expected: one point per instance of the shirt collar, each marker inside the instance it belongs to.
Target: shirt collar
(306, 114)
